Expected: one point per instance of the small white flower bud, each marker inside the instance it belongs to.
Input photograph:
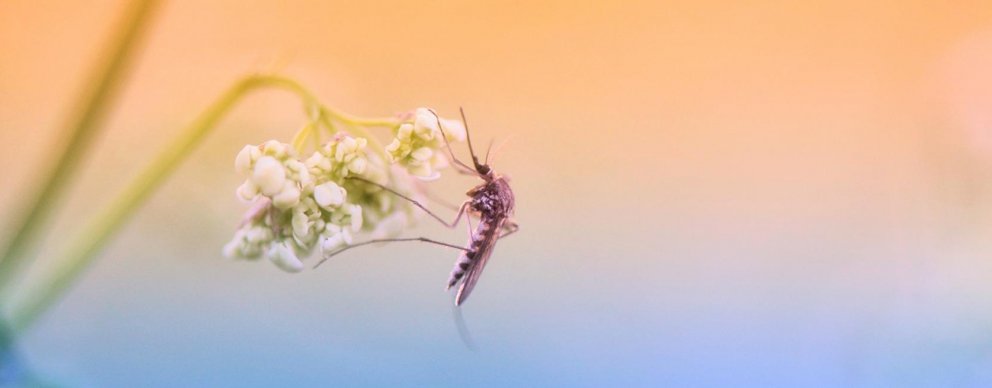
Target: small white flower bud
(258, 234)
(329, 195)
(405, 131)
(247, 191)
(332, 237)
(422, 154)
(357, 165)
(284, 257)
(231, 249)
(242, 163)
(301, 223)
(288, 197)
(275, 148)
(393, 146)
(346, 146)
(269, 175)
(355, 212)
(296, 167)
(453, 129)
(425, 123)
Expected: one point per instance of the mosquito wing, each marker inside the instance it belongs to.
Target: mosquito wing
(482, 255)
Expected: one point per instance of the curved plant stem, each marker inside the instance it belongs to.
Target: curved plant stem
(359, 125)
(83, 126)
(85, 247)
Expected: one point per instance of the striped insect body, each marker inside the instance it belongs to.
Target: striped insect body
(493, 203)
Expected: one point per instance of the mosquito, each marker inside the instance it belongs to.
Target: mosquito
(491, 201)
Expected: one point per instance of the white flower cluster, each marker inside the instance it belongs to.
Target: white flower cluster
(298, 205)
(304, 204)
(419, 146)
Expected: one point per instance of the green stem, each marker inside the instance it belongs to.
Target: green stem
(85, 247)
(92, 108)
(358, 126)
(360, 122)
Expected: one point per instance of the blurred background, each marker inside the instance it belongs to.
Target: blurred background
(775, 193)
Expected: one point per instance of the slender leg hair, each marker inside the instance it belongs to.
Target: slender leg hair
(489, 149)
(382, 240)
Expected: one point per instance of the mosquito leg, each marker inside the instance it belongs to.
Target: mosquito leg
(468, 216)
(383, 240)
(451, 224)
(510, 228)
(489, 149)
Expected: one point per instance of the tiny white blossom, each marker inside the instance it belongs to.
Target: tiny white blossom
(248, 242)
(247, 156)
(269, 175)
(334, 236)
(288, 197)
(338, 159)
(422, 154)
(276, 149)
(355, 214)
(300, 205)
(357, 165)
(329, 195)
(454, 129)
(418, 145)
(247, 191)
(284, 257)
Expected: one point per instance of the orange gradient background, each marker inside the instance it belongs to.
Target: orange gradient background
(766, 193)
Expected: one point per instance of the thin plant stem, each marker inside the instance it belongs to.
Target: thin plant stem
(83, 126)
(92, 239)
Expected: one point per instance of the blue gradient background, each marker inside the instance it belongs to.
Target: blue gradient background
(774, 194)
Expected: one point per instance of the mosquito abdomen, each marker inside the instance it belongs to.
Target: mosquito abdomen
(467, 259)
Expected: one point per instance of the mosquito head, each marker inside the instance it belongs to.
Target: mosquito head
(483, 169)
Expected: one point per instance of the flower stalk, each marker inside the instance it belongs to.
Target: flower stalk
(84, 126)
(85, 247)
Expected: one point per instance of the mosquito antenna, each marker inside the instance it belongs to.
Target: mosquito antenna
(489, 149)
(499, 148)
(468, 138)
(384, 240)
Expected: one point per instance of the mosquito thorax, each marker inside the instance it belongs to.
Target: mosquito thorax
(493, 198)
